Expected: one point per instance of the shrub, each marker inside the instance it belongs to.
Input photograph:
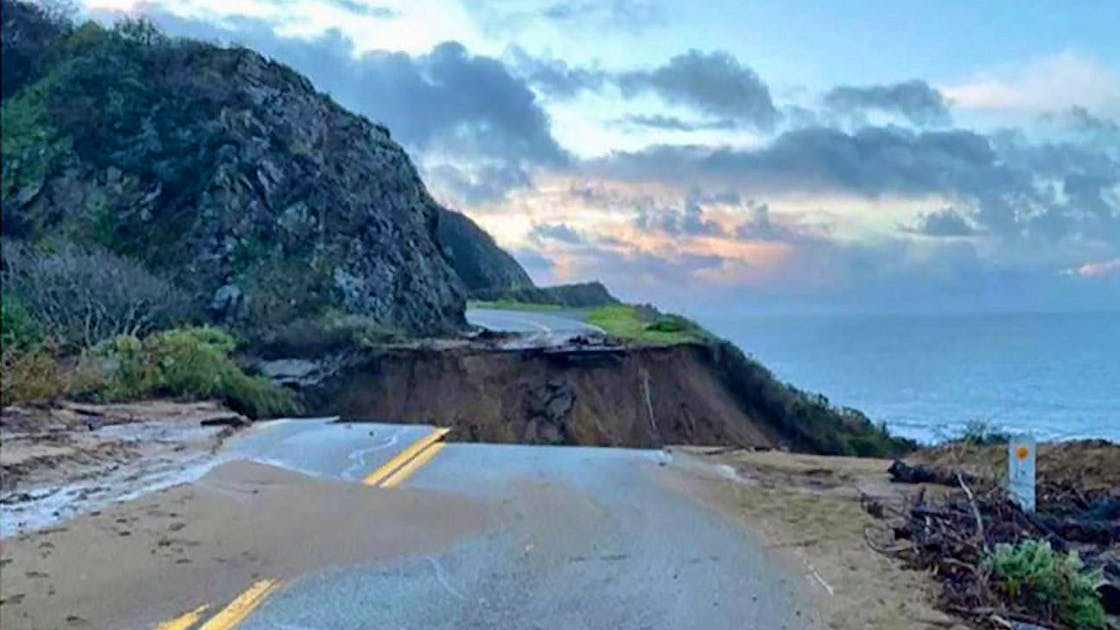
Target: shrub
(982, 433)
(29, 375)
(81, 296)
(190, 363)
(330, 332)
(18, 329)
(1056, 585)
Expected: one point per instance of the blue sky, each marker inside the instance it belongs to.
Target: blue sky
(775, 156)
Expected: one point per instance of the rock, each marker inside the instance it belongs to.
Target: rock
(229, 175)
(1110, 597)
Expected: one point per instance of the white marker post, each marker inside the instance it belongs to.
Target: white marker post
(1021, 470)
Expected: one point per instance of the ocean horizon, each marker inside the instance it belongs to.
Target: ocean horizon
(1055, 376)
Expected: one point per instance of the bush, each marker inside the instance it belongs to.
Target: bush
(1033, 575)
(29, 375)
(982, 433)
(330, 332)
(192, 363)
(18, 329)
(81, 296)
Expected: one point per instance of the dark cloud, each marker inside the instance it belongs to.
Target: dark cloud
(714, 83)
(561, 232)
(447, 102)
(759, 227)
(945, 222)
(1018, 190)
(685, 220)
(915, 100)
(626, 14)
(673, 123)
(361, 8)
(477, 183)
(553, 77)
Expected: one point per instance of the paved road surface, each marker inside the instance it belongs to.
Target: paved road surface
(487, 536)
(582, 538)
(553, 323)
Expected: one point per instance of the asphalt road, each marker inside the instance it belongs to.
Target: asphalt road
(388, 526)
(579, 538)
(552, 323)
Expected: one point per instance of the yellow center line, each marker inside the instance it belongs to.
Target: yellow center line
(402, 458)
(422, 458)
(239, 608)
(184, 621)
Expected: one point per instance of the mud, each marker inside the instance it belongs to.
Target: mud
(601, 396)
(61, 459)
(808, 509)
(137, 563)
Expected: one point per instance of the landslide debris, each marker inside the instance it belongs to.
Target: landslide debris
(998, 564)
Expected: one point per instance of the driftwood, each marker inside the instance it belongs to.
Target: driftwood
(951, 538)
(901, 472)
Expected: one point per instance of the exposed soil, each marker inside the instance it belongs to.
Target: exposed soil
(239, 523)
(808, 509)
(60, 458)
(635, 397)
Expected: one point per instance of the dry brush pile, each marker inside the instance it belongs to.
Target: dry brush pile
(998, 564)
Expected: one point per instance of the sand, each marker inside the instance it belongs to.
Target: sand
(807, 509)
(239, 523)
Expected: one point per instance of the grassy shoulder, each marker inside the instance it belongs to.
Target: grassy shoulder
(512, 305)
(646, 325)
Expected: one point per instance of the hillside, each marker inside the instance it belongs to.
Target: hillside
(227, 175)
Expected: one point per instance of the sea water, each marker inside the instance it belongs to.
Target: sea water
(1055, 376)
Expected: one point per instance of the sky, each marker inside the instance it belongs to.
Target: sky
(742, 156)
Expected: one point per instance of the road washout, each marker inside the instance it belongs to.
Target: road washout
(63, 458)
(239, 522)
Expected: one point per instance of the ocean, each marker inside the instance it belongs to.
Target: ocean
(1056, 376)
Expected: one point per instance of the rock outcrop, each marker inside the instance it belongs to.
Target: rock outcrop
(228, 174)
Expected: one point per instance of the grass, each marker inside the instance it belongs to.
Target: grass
(512, 305)
(632, 323)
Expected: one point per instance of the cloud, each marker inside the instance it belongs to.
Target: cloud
(1096, 269)
(714, 83)
(1045, 84)
(361, 8)
(1018, 190)
(673, 123)
(561, 232)
(626, 14)
(915, 100)
(685, 220)
(447, 102)
(759, 227)
(945, 222)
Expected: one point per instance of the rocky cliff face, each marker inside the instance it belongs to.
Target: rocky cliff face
(226, 173)
(477, 259)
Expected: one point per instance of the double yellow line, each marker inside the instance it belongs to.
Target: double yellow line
(234, 613)
(408, 461)
(389, 475)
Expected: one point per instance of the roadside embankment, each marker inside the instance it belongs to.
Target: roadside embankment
(598, 395)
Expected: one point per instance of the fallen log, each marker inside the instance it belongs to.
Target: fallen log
(901, 472)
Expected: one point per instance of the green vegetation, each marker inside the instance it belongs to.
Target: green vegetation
(18, 329)
(513, 305)
(332, 331)
(982, 433)
(1040, 579)
(645, 325)
(192, 363)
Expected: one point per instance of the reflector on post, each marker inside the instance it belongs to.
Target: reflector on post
(1021, 471)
